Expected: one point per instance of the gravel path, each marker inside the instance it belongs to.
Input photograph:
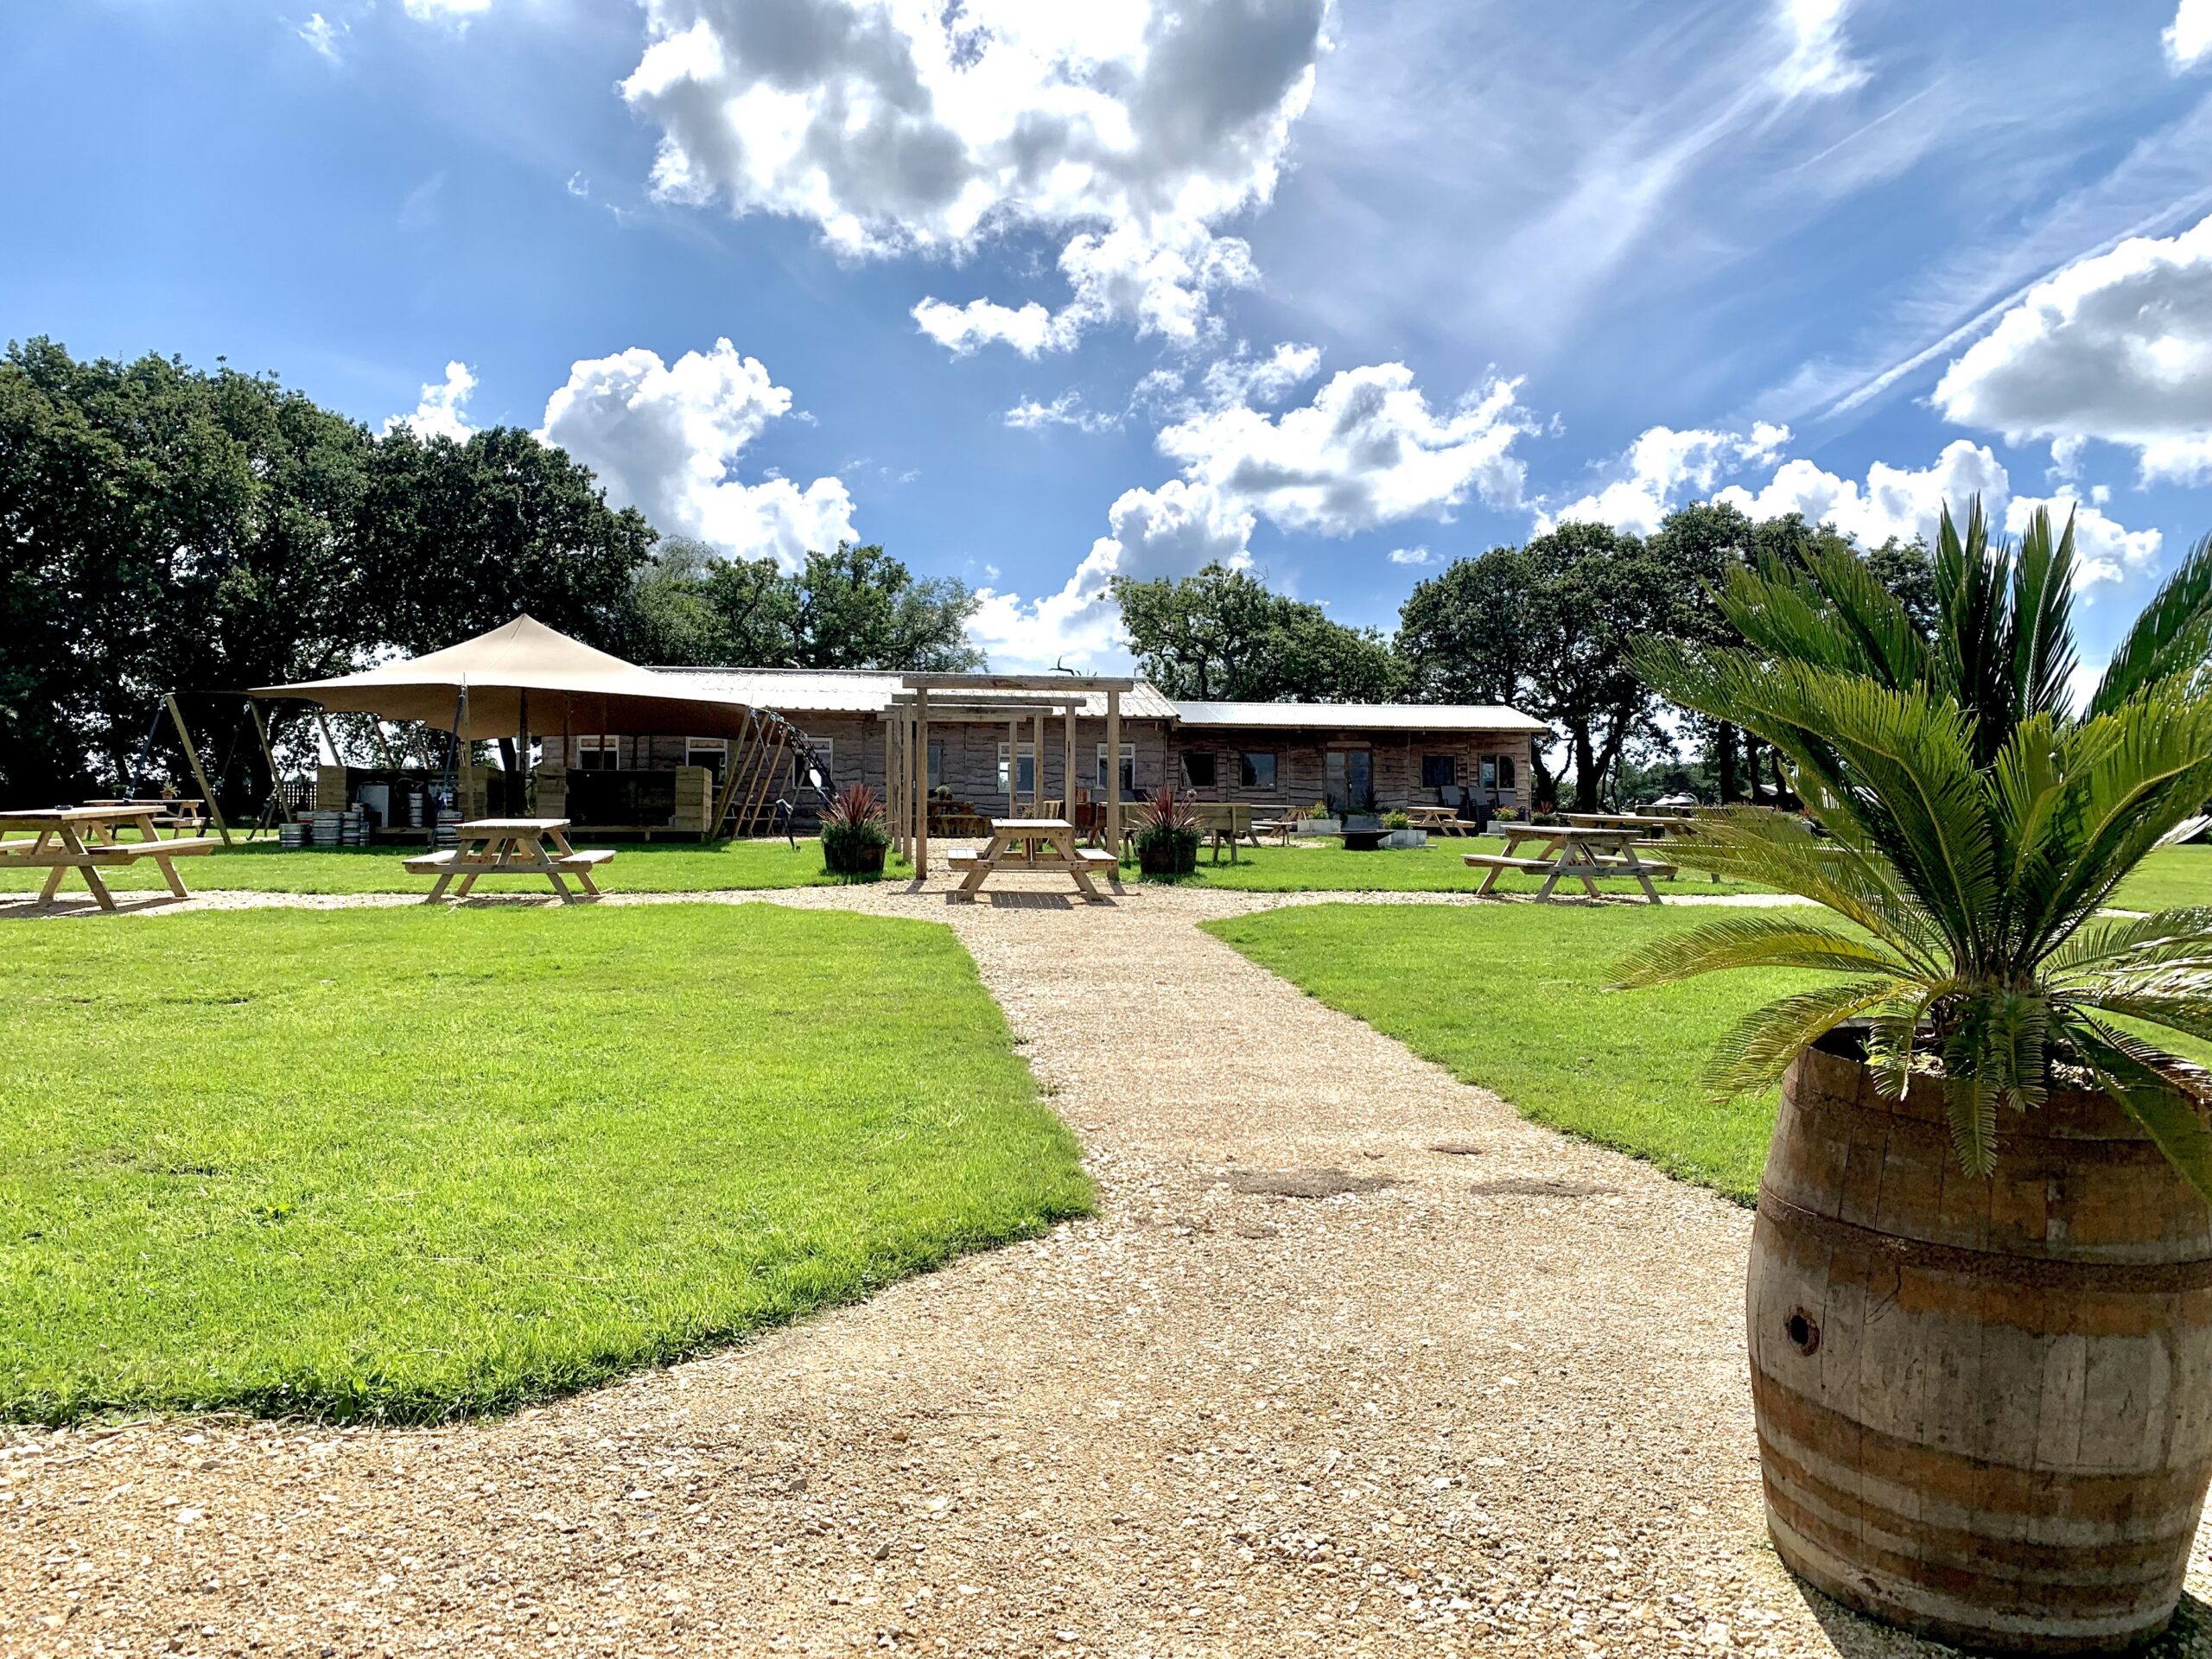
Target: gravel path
(1486, 1396)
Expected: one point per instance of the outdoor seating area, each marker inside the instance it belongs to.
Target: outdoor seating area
(1030, 846)
(87, 839)
(511, 847)
(1573, 852)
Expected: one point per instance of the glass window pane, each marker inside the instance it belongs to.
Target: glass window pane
(1256, 770)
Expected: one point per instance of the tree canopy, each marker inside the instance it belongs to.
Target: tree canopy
(1222, 635)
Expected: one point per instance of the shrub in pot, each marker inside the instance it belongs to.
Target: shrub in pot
(1168, 841)
(1980, 1303)
(854, 838)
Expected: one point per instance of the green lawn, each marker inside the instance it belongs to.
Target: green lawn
(1433, 868)
(639, 866)
(406, 1165)
(2170, 876)
(1512, 997)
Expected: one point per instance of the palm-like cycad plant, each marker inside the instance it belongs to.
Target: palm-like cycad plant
(1979, 824)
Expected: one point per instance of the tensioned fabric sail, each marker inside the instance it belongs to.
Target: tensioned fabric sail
(568, 685)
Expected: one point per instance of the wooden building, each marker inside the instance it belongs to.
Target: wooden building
(1268, 753)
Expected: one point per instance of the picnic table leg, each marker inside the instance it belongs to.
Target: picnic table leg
(496, 847)
(561, 887)
(70, 841)
(167, 867)
(1642, 876)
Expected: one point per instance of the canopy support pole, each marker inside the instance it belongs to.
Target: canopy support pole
(922, 816)
(192, 756)
(145, 750)
(1113, 772)
(275, 784)
(1037, 765)
(323, 720)
(1067, 763)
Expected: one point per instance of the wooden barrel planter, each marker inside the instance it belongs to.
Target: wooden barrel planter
(1984, 1405)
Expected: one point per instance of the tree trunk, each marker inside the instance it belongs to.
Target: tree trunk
(1586, 771)
(1724, 745)
(1752, 748)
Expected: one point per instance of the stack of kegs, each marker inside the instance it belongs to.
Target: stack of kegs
(291, 837)
(449, 829)
(325, 826)
(353, 827)
(415, 805)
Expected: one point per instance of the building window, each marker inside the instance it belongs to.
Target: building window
(712, 752)
(1198, 769)
(1256, 769)
(1439, 771)
(1025, 782)
(598, 754)
(1506, 771)
(1128, 769)
(820, 762)
(937, 764)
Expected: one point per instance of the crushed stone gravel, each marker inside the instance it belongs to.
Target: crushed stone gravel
(1426, 1414)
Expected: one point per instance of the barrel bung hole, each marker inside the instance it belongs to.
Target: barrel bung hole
(1803, 1330)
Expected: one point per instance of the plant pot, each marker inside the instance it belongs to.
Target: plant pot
(1983, 1406)
(1405, 838)
(1318, 826)
(1169, 857)
(848, 858)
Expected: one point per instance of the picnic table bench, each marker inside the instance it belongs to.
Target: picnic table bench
(1577, 852)
(1035, 844)
(58, 844)
(510, 847)
(1438, 820)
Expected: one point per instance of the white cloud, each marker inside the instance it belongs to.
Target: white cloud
(2117, 348)
(441, 413)
(580, 186)
(1127, 129)
(1891, 501)
(1240, 377)
(2189, 37)
(1368, 450)
(322, 35)
(1662, 465)
(664, 438)
(1413, 556)
(1066, 410)
(1818, 65)
(457, 12)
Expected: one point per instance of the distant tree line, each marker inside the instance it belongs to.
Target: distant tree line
(166, 528)
(1545, 627)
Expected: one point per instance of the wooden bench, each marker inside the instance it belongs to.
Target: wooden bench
(449, 858)
(1500, 861)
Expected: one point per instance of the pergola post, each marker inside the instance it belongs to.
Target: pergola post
(1014, 767)
(1114, 771)
(1067, 762)
(1037, 765)
(922, 795)
(275, 784)
(192, 755)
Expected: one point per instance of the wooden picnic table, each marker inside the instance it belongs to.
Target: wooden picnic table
(1667, 824)
(1438, 820)
(1572, 851)
(176, 814)
(59, 844)
(1034, 844)
(510, 847)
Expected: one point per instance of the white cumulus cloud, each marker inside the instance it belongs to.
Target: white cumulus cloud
(322, 35)
(1412, 555)
(2117, 348)
(2189, 37)
(1128, 129)
(443, 410)
(446, 11)
(1818, 64)
(1066, 410)
(665, 438)
(1890, 501)
(2104, 550)
(1663, 467)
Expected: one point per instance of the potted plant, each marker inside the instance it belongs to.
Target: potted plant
(1318, 820)
(1979, 1299)
(854, 838)
(1168, 841)
(1398, 831)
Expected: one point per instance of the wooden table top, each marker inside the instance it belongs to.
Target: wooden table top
(31, 817)
(1633, 820)
(1566, 831)
(1030, 826)
(511, 826)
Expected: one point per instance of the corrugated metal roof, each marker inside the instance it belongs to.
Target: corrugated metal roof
(868, 692)
(1363, 716)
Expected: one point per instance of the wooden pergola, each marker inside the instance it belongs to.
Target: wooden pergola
(1015, 698)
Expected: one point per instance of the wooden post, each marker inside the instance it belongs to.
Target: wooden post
(922, 774)
(322, 723)
(192, 758)
(1014, 767)
(1067, 763)
(734, 766)
(276, 784)
(1037, 765)
(1113, 772)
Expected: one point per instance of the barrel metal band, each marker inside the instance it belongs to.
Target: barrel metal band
(2137, 1278)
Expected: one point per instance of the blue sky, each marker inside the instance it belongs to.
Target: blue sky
(1033, 295)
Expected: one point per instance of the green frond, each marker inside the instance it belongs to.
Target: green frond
(2181, 935)
(1754, 941)
(1753, 1055)
(2042, 618)
(2171, 640)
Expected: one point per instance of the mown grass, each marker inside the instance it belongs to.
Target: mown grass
(638, 866)
(406, 1166)
(2170, 876)
(1437, 867)
(1512, 997)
